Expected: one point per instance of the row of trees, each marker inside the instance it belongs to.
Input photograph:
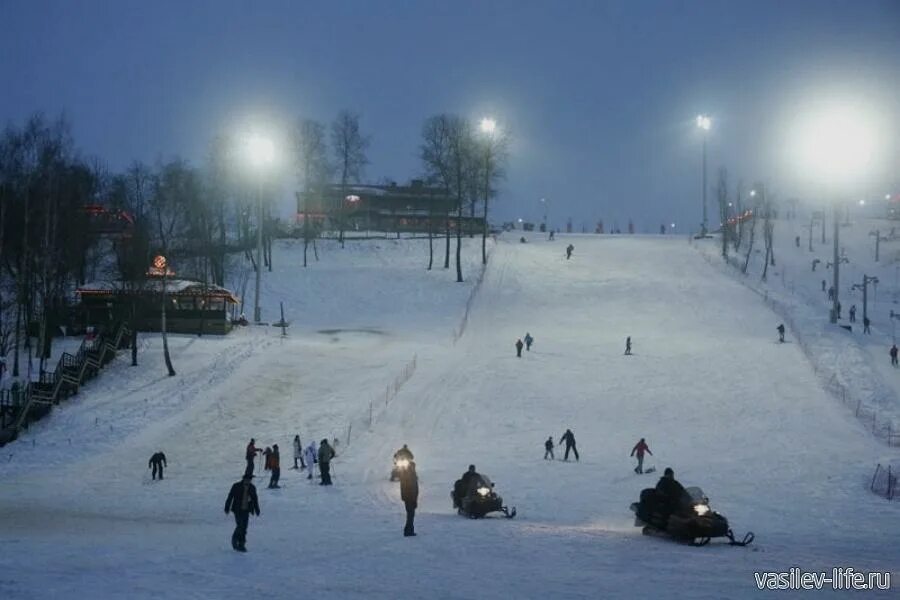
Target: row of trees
(739, 220)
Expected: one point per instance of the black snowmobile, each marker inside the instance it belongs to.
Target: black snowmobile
(692, 521)
(479, 499)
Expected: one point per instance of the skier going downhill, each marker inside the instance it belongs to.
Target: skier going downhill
(242, 501)
(569, 438)
(639, 449)
(157, 462)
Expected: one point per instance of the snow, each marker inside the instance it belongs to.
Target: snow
(709, 387)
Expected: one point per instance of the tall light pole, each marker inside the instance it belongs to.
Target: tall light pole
(488, 126)
(704, 123)
(260, 152)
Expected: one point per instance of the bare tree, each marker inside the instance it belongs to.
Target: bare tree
(495, 148)
(313, 172)
(436, 153)
(349, 146)
(751, 222)
(722, 196)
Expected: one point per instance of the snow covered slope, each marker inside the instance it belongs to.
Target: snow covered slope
(714, 394)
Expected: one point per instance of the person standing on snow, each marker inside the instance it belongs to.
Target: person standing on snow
(894, 355)
(548, 449)
(241, 501)
(409, 493)
(569, 250)
(628, 346)
(528, 341)
(853, 314)
(298, 453)
(267, 453)
(640, 448)
(519, 345)
(157, 462)
(275, 463)
(781, 332)
(569, 438)
(252, 450)
(311, 459)
(866, 323)
(326, 453)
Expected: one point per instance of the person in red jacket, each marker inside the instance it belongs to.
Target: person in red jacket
(640, 448)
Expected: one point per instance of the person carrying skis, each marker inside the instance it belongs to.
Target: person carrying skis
(528, 341)
(628, 346)
(639, 449)
(311, 459)
(894, 355)
(548, 449)
(519, 345)
(409, 493)
(242, 501)
(252, 450)
(275, 464)
(326, 453)
(157, 462)
(298, 453)
(781, 332)
(569, 250)
(569, 438)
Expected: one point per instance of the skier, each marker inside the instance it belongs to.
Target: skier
(275, 463)
(569, 438)
(241, 501)
(866, 323)
(311, 458)
(519, 348)
(409, 493)
(548, 449)
(268, 462)
(298, 453)
(326, 453)
(528, 341)
(853, 314)
(781, 332)
(251, 455)
(628, 346)
(569, 250)
(640, 448)
(157, 462)
(894, 355)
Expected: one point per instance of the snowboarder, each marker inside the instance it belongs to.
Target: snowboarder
(548, 449)
(157, 462)
(781, 332)
(326, 453)
(866, 323)
(639, 449)
(409, 493)
(298, 453)
(251, 455)
(275, 464)
(519, 345)
(569, 250)
(267, 465)
(628, 346)
(242, 501)
(894, 355)
(311, 459)
(569, 438)
(853, 314)
(528, 341)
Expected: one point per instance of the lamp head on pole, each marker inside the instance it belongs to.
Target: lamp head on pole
(260, 151)
(704, 122)
(487, 125)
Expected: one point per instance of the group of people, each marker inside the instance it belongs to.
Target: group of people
(568, 438)
(527, 345)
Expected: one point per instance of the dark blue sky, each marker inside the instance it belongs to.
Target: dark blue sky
(600, 96)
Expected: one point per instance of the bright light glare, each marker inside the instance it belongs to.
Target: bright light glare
(402, 463)
(701, 509)
(887, 196)
(488, 125)
(862, 202)
(260, 150)
(752, 193)
(704, 122)
(484, 491)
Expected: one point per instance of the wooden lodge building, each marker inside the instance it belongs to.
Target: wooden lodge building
(390, 208)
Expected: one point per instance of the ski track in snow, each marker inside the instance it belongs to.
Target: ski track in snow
(743, 418)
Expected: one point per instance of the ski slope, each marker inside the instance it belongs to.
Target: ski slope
(716, 396)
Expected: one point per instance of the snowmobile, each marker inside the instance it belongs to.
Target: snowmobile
(479, 500)
(400, 465)
(692, 522)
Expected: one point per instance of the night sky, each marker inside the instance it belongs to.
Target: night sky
(599, 97)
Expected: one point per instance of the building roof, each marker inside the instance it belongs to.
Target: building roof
(174, 287)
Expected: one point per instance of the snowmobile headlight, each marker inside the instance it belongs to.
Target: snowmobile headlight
(484, 491)
(402, 463)
(701, 509)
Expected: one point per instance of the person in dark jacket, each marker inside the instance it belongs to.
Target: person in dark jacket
(519, 346)
(275, 463)
(326, 453)
(894, 355)
(670, 493)
(569, 250)
(157, 462)
(461, 487)
(781, 332)
(409, 493)
(628, 346)
(528, 341)
(569, 438)
(853, 314)
(403, 452)
(639, 449)
(267, 463)
(548, 449)
(250, 455)
(242, 501)
(866, 324)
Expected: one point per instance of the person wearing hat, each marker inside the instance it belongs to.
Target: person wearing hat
(242, 501)
(326, 453)
(409, 493)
